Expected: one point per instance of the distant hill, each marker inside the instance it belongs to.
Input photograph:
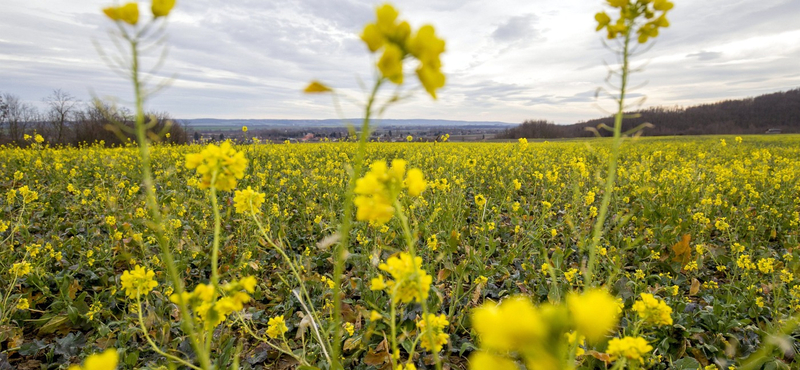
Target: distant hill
(746, 116)
(202, 123)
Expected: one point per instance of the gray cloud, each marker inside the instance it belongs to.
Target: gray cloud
(251, 58)
(516, 29)
(705, 55)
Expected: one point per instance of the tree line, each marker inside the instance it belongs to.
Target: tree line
(776, 111)
(67, 121)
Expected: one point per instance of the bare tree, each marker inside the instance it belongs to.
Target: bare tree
(62, 108)
(18, 116)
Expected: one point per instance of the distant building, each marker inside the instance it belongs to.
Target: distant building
(773, 131)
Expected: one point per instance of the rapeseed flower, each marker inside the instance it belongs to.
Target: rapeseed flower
(594, 312)
(276, 327)
(140, 281)
(632, 348)
(161, 8)
(105, 361)
(20, 269)
(437, 325)
(378, 189)
(221, 164)
(396, 39)
(410, 282)
(248, 199)
(652, 310)
(128, 13)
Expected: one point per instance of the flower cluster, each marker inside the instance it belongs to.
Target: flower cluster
(410, 282)
(221, 164)
(20, 269)
(138, 282)
(379, 188)
(437, 325)
(653, 311)
(129, 13)
(630, 11)
(397, 42)
(104, 361)
(276, 327)
(540, 334)
(632, 348)
(246, 200)
(212, 311)
(595, 313)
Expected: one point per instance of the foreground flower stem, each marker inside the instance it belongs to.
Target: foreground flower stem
(324, 344)
(611, 178)
(212, 194)
(155, 213)
(340, 248)
(152, 343)
(412, 251)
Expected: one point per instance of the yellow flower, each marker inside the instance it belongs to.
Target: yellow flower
(128, 13)
(766, 265)
(246, 200)
(512, 325)
(23, 304)
(161, 8)
(316, 87)
(223, 164)
(276, 327)
(572, 337)
(244, 128)
(20, 269)
(415, 182)
(632, 348)
(104, 361)
(595, 313)
(140, 281)
(379, 188)
(437, 325)
(480, 200)
(653, 310)
(480, 360)
(349, 328)
(391, 64)
(411, 282)
(38, 138)
(377, 283)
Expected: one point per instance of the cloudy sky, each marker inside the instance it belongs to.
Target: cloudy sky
(506, 60)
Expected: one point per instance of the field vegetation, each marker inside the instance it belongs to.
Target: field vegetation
(612, 253)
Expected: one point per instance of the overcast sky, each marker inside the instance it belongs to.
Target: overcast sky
(506, 60)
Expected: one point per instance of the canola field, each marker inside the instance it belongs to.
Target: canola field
(699, 251)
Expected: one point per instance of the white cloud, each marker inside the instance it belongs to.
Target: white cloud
(506, 60)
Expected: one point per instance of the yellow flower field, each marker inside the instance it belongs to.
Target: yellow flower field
(699, 253)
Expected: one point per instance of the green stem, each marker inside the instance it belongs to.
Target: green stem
(612, 166)
(155, 213)
(150, 340)
(340, 249)
(412, 252)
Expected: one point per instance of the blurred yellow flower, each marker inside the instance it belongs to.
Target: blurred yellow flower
(595, 313)
(161, 8)
(316, 87)
(128, 13)
(105, 361)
